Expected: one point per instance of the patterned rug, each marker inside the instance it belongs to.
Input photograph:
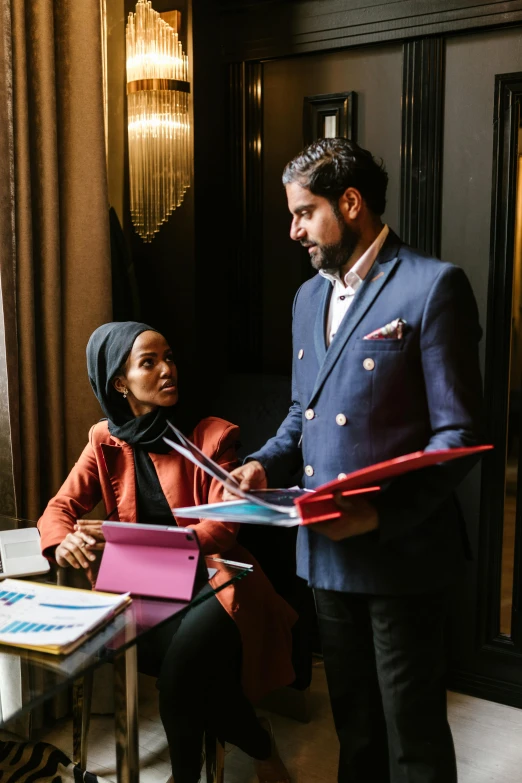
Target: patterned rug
(39, 762)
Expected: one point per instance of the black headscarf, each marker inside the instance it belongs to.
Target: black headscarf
(107, 351)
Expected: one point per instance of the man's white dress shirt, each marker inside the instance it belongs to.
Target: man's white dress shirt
(344, 290)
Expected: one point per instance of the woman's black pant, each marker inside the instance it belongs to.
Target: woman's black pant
(198, 658)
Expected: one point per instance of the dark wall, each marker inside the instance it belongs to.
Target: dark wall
(471, 65)
(182, 274)
(262, 29)
(376, 76)
(165, 268)
(188, 275)
(181, 289)
(212, 212)
(465, 99)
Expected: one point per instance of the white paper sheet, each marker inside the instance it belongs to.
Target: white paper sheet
(40, 615)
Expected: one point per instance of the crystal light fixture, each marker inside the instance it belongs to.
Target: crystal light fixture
(158, 118)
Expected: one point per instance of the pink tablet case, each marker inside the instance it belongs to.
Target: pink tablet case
(149, 560)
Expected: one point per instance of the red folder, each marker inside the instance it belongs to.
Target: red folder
(319, 506)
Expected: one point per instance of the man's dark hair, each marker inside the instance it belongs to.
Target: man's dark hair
(329, 166)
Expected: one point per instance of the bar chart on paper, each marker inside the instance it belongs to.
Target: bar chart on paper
(9, 598)
(46, 616)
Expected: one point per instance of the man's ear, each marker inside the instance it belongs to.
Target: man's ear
(119, 384)
(350, 204)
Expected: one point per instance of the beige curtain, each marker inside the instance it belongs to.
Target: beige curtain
(54, 245)
(63, 285)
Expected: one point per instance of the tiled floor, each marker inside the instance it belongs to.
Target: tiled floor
(487, 738)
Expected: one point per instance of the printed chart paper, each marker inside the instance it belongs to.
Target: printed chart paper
(43, 616)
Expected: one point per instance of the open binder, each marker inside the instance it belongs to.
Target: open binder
(290, 507)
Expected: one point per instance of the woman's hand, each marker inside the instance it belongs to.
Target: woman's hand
(251, 475)
(92, 528)
(76, 550)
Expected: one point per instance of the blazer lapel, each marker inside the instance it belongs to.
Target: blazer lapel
(325, 292)
(119, 462)
(372, 286)
(172, 474)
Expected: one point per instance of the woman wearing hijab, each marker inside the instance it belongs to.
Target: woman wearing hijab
(228, 651)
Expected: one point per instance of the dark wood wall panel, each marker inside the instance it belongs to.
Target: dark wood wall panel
(246, 216)
(277, 29)
(447, 97)
(421, 149)
(375, 74)
(480, 663)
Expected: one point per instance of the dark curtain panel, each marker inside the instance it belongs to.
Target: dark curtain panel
(61, 227)
(55, 270)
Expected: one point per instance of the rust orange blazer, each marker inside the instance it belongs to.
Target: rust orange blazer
(105, 471)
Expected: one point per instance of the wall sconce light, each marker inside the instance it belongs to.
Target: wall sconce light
(158, 118)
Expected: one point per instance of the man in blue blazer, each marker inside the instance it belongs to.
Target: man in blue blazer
(385, 362)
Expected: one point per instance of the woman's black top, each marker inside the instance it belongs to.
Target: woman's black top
(152, 505)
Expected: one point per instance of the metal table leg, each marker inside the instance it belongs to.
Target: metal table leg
(214, 759)
(126, 716)
(82, 698)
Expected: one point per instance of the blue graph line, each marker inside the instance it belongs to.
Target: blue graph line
(68, 606)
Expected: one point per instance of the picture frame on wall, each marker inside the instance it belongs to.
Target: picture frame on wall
(329, 116)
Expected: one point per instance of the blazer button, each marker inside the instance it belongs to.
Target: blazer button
(309, 470)
(300, 354)
(341, 475)
(309, 414)
(368, 364)
(340, 419)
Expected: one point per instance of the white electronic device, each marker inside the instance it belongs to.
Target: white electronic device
(20, 553)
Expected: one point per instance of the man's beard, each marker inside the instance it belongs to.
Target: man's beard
(334, 256)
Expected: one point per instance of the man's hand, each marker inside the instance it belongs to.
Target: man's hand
(358, 517)
(251, 475)
(76, 550)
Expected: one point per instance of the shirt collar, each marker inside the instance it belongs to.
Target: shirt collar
(355, 276)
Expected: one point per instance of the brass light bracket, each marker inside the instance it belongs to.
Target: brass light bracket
(173, 18)
(139, 85)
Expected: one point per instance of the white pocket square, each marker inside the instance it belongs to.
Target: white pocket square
(392, 331)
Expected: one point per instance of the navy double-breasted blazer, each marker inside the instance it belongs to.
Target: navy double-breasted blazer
(422, 392)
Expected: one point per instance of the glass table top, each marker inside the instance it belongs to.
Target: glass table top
(44, 674)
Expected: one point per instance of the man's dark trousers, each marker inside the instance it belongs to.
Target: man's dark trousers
(384, 658)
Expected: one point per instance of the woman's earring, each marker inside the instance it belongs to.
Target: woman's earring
(125, 392)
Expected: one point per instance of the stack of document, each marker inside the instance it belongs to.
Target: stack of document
(50, 618)
(290, 507)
